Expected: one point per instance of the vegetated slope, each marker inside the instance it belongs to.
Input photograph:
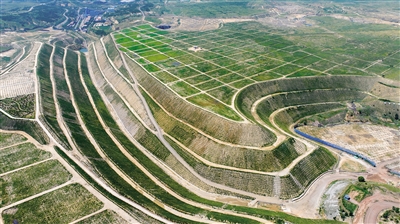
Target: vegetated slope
(249, 95)
(120, 83)
(47, 106)
(255, 159)
(115, 56)
(275, 102)
(209, 123)
(287, 117)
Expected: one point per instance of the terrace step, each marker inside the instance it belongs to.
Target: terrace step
(296, 181)
(300, 147)
(277, 186)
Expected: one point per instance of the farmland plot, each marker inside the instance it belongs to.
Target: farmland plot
(60, 206)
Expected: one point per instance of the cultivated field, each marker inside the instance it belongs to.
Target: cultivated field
(38, 188)
(60, 206)
(228, 60)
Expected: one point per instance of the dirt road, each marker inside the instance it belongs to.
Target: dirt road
(371, 216)
(370, 207)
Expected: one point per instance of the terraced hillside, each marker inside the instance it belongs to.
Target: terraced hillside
(186, 127)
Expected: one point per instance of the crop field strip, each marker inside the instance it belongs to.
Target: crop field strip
(289, 63)
(17, 156)
(262, 160)
(32, 180)
(112, 124)
(122, 86)
(7, 140)
(63, 205)
(48, 106)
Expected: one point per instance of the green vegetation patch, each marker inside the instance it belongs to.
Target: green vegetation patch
(266, 76)
(269, 63)
(322, 65)
(378, 68)
(151, 68)
(306, 60)
(107, 216)
(21, 155)
(7, 139)
(184, 89)
(198, 79)
(357, 63)
(350, 207)
(223, 93)
(224, 61)
(250, 71)
(230, 78)
(392, 73)
(205, 67)
(158, 57)
(165, 77)
(188, 59)
(122, 39)
(218, 72)
(242, 83)
(147, 53)
(60, 206)
(32, 180)
(209, 103)
(209, 84)
(305, 72)
(184, 72)
(174, 53)
(137, 47)
(287, 69)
